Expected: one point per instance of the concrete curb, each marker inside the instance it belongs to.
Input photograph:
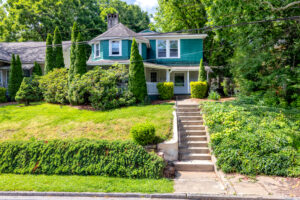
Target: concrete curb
(137, 195)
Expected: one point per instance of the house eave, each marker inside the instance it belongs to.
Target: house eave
(138, 39)
(179, 36)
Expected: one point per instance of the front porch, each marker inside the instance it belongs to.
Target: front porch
(180, 76)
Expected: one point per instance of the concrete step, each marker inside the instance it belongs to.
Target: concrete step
(187, 106)
(188, 110)
(193, 132)
(194, 150)
(191, 138)
(188, 114)
(191, 127)
(194, 144)
(194, 165)
(194, 156)
(199, 117)
(191, 122)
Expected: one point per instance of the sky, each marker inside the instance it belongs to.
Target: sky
(146, 5)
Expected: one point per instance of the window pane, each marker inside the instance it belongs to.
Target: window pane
(179, 79)
(162, 48)
(97, 50)
(115, 47)
(153, 76)
(173, 48)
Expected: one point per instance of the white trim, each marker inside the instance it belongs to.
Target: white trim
(145, 41)
(140, 49)
(95, 50)
(110, 49)
(198, 36)
(168, 49)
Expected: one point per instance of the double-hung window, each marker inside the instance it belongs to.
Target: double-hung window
(153, 77)
(115, 48)
(168, 48)
(97, 50)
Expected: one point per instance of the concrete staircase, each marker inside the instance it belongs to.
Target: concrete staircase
(194, 154)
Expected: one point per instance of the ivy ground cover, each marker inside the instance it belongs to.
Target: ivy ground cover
(44, 121)
(252, 139)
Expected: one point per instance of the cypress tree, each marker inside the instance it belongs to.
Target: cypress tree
(80, 61)
(72, 52)
(202, 72)
(58, 50)
(137, 82)
(49, 59)
(15, 76)
(37, 70)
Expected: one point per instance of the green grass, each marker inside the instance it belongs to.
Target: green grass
(43, 183)
(48, 121)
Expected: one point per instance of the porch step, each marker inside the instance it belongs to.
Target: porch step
(191, 117)
(191, 122)
(188, 114)
(193, 138)
(191, 127)
(194, 150)
(188, 144)
(188, 110)
(194, 165)
(195, 156)
(187, 106)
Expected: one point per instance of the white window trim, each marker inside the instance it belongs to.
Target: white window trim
(95, 50)
(168, 49)
(120, 48)
(140, 49)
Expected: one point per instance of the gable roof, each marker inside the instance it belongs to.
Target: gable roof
(119, 31)
(29, 52)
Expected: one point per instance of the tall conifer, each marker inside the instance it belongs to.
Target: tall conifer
(58, 50)
(37, 70)
(202, 72)
(15, 76)
(49, 59)
(72, 52)
(80, 61)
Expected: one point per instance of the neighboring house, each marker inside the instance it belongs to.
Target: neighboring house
(29, 53)
(167, 57)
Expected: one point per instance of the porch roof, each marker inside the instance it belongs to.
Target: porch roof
(106, 62)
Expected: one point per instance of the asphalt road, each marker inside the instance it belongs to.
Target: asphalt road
(70, 198)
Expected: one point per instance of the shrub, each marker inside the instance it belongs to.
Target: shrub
(165, 90)
(214, 95)
(54, 86)
(58, 55)
(15, 77)
(202, 73)
(79, 157)
(37, 70)
(198, 89)
(49, 57)
(29, 91)
(143, 134)
(228, 87)
(3, 95)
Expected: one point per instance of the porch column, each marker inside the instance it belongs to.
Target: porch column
(188, 81)
(167, 76)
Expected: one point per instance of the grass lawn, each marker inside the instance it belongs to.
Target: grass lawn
(48, 121)
(43, 183)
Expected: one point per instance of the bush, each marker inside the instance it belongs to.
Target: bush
(79, 157)
(228, 87)
(143, 134)
(165, 90)
(198, 89)
(3, 95)
(214, 95)
(29, 91)
(252, 139)
(54, 86)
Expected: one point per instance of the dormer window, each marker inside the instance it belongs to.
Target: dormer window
(97, 50)
(115, 48)
(167, 48)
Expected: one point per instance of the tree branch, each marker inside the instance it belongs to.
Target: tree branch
(281, 8)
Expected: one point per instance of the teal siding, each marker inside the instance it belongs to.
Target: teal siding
(104, 51)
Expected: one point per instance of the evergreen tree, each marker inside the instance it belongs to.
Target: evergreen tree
(137, 82)
(29, 91)
(49, 60)
(72, 52)
(58, 50)
(15, 77)
(202, 72)
(37, 70)
(80, 61)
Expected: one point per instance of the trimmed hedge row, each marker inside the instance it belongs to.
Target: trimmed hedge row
(79, 157)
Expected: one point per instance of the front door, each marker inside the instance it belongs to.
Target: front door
(180, 86)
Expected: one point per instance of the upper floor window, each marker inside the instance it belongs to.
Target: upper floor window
(97, 50)
(115, 48)
(168, 48)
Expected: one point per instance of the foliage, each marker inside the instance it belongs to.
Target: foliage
(58, 50)
(80, 58)
(252, 139)
(79, 157)
(198, 89)
(73, 183)
(143, 134)
(49, 57)
(37, 70)
(137, 82)
(72, 53)
(3, 95)
(228, 87)
(131, 15)
(165, 90)
(15, 77)
(202, 73)
(54, 86)
(213, 95)
(29, 91)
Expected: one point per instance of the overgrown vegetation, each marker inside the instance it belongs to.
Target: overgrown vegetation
(213, 95)
(79, 157)
(165, 90)
(253, 139)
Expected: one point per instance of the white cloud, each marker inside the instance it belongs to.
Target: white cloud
(147, 5)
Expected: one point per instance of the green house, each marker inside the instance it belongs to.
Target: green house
(167, 57)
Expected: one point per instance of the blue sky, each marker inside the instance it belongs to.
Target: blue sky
(147, 5)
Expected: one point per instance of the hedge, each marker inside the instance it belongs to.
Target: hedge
(165, 90)
(79, 157)
(198, 89)
(3, 95)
